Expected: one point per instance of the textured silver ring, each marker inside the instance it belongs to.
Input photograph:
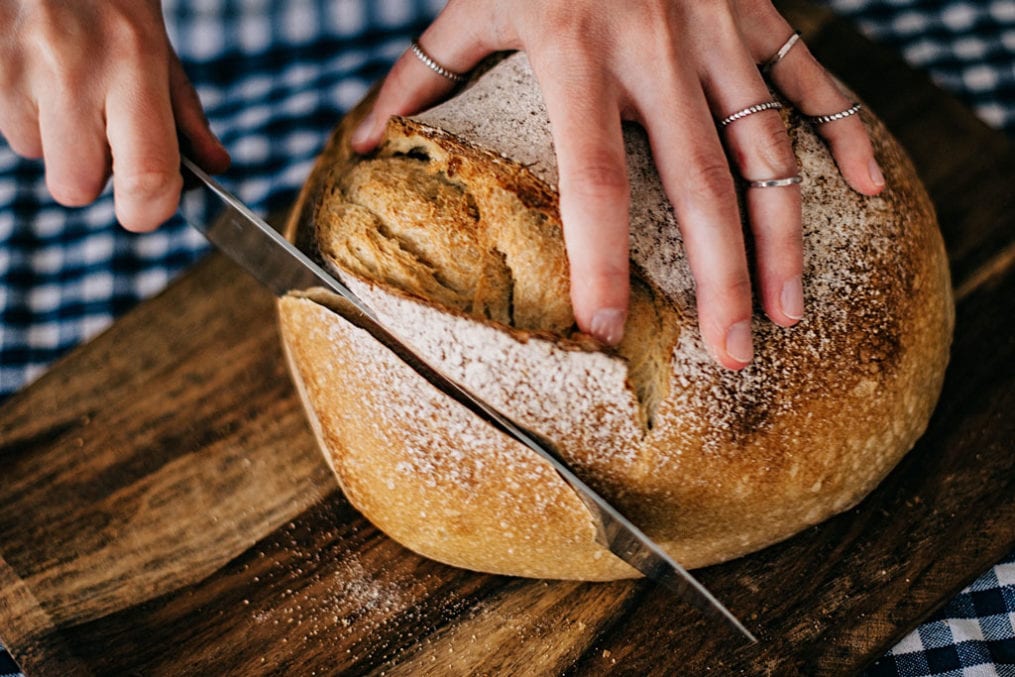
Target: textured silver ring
(832, 117)
(783, 51)
(750, 110)
(775, 183)
(432, 64)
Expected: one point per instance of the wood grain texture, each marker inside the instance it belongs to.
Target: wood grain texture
(166, 510)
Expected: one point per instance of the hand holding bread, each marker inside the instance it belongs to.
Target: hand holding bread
(675, 66)
(95, 88)
(451, 232)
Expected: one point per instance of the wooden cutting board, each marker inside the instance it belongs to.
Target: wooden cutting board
(165, 510)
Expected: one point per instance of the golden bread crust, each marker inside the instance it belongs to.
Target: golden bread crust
(450, 231)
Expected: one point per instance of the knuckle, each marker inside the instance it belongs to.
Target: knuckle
(148, 183)
(565, 57)
(41, 21)
(63, 60)
(612, 273)
(601, 268)
(709, 178)
(572, 31)
(737, 286)
(758, 13)
(773, 148)
(598, 177)
(133, 40)
(717, 15)
(733, 290)
(779, 249)
(565, 23)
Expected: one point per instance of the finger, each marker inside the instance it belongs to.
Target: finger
(411, 85)
(697, 179)
(19, 124)
(761, 149)
(813, 91)
(74, 145)
(192, 123)
(594, 192)
(142, 139)
(19, 116)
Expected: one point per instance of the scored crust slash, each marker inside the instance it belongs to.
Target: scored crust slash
(451, 232)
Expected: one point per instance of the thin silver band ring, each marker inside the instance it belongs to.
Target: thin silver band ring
(832, 117)
(783, 51)
(750, 110)
(433, 65)
(775, 183)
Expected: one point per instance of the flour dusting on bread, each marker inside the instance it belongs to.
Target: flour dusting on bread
(451, 232)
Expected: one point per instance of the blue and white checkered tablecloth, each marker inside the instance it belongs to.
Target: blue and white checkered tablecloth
(275, 76)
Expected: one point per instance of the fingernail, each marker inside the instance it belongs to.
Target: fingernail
(792, 299)
(738, 342)
(362, 132)
(875, 171)
(608, 325)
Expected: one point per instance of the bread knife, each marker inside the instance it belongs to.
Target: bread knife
(260, 250)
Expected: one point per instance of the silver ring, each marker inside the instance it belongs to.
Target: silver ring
(783, 51)
(832, 117)
(750, 110)
(432, 64)
(775, 183)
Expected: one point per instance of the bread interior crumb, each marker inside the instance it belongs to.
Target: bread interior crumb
(409, 219)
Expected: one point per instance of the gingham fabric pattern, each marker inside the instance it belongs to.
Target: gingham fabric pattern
(967, 47)
(972, 636)
(275, 75)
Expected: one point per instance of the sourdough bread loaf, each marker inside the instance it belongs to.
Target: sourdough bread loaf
(451, 232)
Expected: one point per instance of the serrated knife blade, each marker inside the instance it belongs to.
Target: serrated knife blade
(279, 265)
